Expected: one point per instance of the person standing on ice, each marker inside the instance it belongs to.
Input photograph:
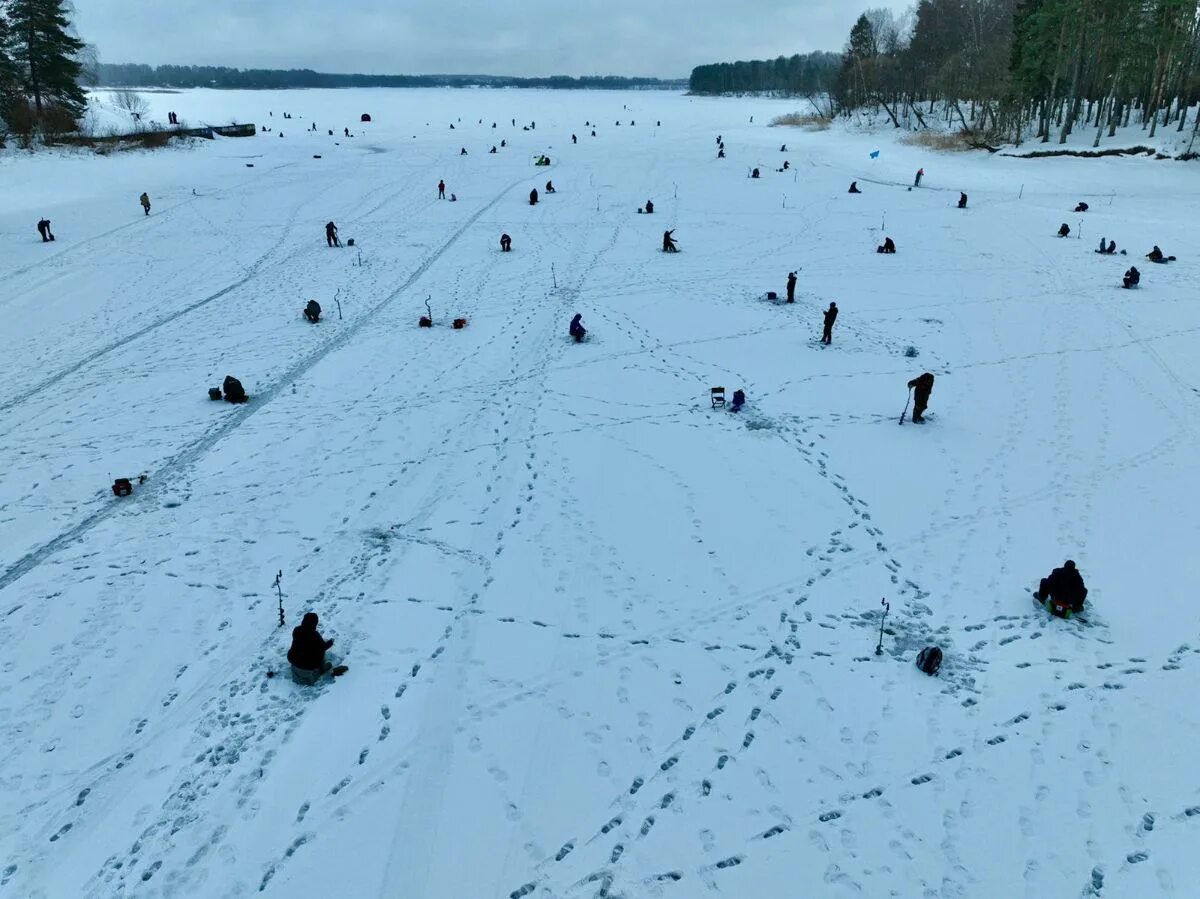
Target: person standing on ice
(441, 190)
(791, 287)
(505, 243)
(1065, 585)
(533, 197)
(669, 245)
(830, 317)
(920, 175)
(923, 385)
(962, 200)
(307, 653)
(331, 235)
(144, 199)
(44, 230)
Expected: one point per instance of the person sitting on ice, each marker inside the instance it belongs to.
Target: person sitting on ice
(754, 174)
(462, 152)
(1132, 278)
(1156, 255)
(549, 187)
(720, 152)
(533, 197)
(962, 200)
(1081, 207)
(669, 245)
(649, 207)
(1064, 230)
(1103, 248)
(888, 246)
(739, 400)
(1064, 585)
(786, 166)
(234, 391)
(505, 243)
(783, 148)
(312, 311)
(854, 188)
(307, 652)
(577, 330)
(493, 150)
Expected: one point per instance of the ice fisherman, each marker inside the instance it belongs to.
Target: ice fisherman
(1065, 585)
(669, 245)
(577, 330)
(791, 287)
(307, 652)
(888, 246)
(505, 243)
(923, 386)
(831, 315)
(441, 190)
(44, 230)
(1132, 278)
(331, 235)
(962, 200)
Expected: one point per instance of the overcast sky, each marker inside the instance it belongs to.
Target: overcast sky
(664, 38)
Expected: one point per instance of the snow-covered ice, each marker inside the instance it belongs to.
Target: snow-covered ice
(604, 640)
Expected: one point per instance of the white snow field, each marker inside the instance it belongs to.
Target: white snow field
(604, 640)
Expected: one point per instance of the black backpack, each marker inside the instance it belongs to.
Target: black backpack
(929, 659)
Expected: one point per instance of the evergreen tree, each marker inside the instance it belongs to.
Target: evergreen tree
(9, 80)
(46, 55)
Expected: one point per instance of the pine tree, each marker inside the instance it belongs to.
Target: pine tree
(46, 55)
(9, 80)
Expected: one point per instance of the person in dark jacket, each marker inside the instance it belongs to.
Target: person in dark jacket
(312, 311)
(1132, 278)
(854, 188)
(493, 150)
(307, 653)
(441, 190)
(720, 151)
(1064, 230)
(649, 207)
(830, 317)
(577, 330)
(669, 245)
(505, 243)
(923, 386)
(739, 400)
(962, 200)
(754, 173)
(44, 230)
(331, 236)
(1065, 585)
(549, 187)
(533, 197)
(888, 246)
(791, 287)
(234, 391)
(1156, 255)
(1081, 207)
(144, 199)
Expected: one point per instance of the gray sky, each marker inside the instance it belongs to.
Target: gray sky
(664, 38)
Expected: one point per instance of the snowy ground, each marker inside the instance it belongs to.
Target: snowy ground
(603, 640)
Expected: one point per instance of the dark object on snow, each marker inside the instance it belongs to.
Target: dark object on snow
(739, 400)
(549, 187)
(718, 396)
(1081, 207)
(331, 235)
(1108, 250)
(493, 150)
(350, 242)
(577, 330)
(144, 199)
(831, 315)
(307, 652)
(505, 243)
(441, 190)
(44, 230)
(1063, 590)
(425, 322)
(234, 391)
(458, 324)
(316, 156)
(1156, 255)
(772, 295)
(888, 246)
(754, 174)
(854, 188)
(533, 197)
(783, 148)
(929, 660)
(720, 152)
(669, 245)
(922, 385)
(917, 180)
(1132, 278)
(1064, 230)
(463, 151)
(791, 287)
(364, 117)
(312, 311)
(122, 487)
(543, 160)
(649, 207)
(214, 393)
(962, 200)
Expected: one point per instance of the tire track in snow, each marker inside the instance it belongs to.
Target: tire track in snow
(190, 454)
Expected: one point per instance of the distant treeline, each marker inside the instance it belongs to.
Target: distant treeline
(136, 75)
(807, 73)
